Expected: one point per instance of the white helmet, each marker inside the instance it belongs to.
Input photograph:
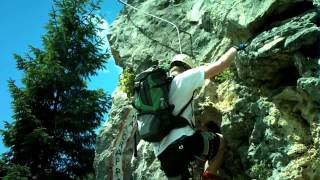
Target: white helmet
(183, 58)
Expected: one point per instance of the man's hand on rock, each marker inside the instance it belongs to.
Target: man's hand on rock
(241, 46)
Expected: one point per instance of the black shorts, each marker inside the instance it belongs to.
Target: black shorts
(176, 158)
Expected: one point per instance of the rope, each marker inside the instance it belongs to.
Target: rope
(154, 16)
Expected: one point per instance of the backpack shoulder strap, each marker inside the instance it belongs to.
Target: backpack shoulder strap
(185, 106)
(179, 121)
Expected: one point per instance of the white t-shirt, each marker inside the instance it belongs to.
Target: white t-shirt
(181, 91)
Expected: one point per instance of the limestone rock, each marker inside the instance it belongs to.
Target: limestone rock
(267, 106)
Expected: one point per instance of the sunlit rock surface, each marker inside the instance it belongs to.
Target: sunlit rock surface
(269, 104)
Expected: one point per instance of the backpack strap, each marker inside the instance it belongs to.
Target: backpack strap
(185, 106)
(135, 144)
(179, 121)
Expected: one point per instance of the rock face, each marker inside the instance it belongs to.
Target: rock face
(269, 102)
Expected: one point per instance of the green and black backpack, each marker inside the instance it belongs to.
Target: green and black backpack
(151, 100)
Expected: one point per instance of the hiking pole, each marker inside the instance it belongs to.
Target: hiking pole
(159, 18)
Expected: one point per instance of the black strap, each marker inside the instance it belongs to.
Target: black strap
(135, 151)
(184, 108)
(179, 121)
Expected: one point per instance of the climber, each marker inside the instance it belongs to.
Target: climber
(183, 145)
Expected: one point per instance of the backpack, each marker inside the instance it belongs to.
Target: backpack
(151, 100)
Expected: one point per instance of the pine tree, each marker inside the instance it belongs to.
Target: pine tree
(55, 115)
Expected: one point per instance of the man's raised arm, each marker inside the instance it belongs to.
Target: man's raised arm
(223, 62)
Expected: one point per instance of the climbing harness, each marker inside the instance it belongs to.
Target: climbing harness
(159, 18)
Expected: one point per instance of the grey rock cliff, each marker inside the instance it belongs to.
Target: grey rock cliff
(269, 101)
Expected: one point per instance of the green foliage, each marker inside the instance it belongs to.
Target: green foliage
(9, 171)
(88, 177)
(227, 74)
(260, 171)
(55, 114)
(127, 81)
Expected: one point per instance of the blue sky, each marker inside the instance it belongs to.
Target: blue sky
(22, 24)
